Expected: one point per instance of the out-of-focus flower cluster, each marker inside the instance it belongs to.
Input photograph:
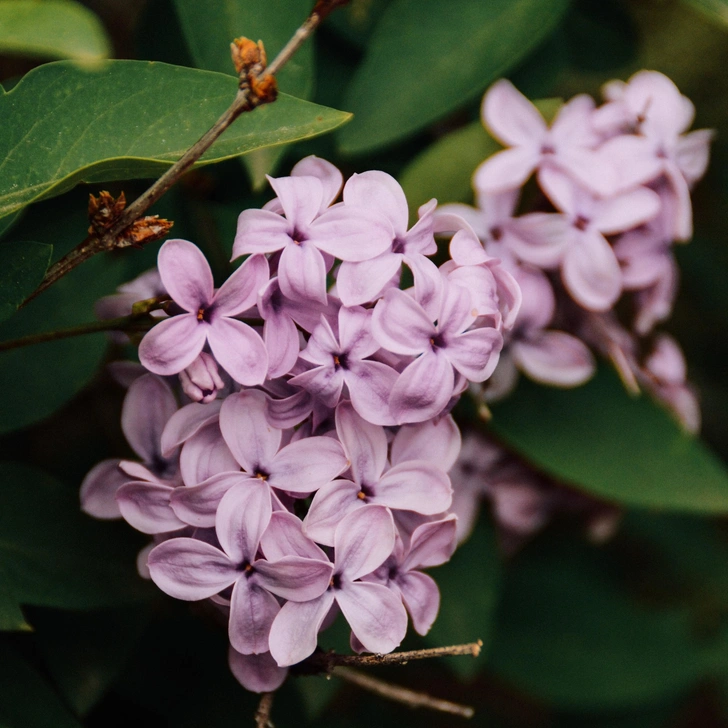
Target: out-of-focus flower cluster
(611, 198)
(292, 424)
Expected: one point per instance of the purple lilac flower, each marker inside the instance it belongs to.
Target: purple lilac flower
(431, 544)
(414, 485)
(192, 570)
(175, 343)
(344, 360)
(363, 540)
(201, 380)
(442, 345)
(306, 230)
(300, 467)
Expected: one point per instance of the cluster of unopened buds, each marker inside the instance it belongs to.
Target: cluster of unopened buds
(293, 424)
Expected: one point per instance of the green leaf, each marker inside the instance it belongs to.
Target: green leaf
(54, 555)
(469, 589)
(569, 633)
(38, 379)
(445, 169)
(11, 617)
(124, 119)
(86, 651)
(210, 27)
(716, 10)
(22, 267)
(26, 699)
(51, 29)
(427, 58)
(621, 448)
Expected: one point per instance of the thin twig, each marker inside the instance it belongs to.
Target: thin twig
(327, 661)
(262, 715)
(125, 323)
(245, 100)
(410, 698)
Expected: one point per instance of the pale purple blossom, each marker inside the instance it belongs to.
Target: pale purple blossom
(176, 342)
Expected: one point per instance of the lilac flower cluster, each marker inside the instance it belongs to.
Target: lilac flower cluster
(612, 197)
(292, 424)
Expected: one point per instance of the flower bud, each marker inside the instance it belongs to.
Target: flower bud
(201, 380)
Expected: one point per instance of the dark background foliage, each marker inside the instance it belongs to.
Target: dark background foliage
(631, 633)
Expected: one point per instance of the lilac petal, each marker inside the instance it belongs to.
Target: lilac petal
(242, 516)
(239, 350)
(204, 455)
(322, 345)
(420, 239)
(306, 465)
(284, 537)
(457, 312)
(624, 212)
(510, 116)
(355, 336)
(240, 291)
(352, 233)
(302, 272)
(510, 296)
(379, 191)
(137, 471)
(361, 282)
(331, 503)
(539, 238)
(401, 325)
(370, 385)
(554, 357)
(257, 673)
(466, 249)
(437, 442)
(680, 204)
(364, 539)
(282, 343)
(693, 152)
(590, 272)
(294, 578)
(475, 353)
(243, 424)
(592, 170)
(428, 288)
(145, 506)
(365, 444)
(375, 614)
(300, 197)
(423, 388)
(260, 231)
(252, 611)
(421, 597)
(431, 544)
(173, 344)
(197, 504)
(506, 170)
(294, 633)
(148, 406)
(324, 383)
(189, 569)
(634, 158)
(290, 411)
(186, 422)
(417, 486)
(479, 282)
(98, 490)
(330, 177)
(186, 274)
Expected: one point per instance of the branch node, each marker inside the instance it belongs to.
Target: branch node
(250, 62)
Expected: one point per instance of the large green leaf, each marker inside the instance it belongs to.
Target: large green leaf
(26, 699)
(51, 554)
(51, 29)
(11, 617)
(22, 266)
(427, 58)
(469, 589)
(445, 169)
(621, 448)
(570, 633)
(210, 27)
(716, 10)
(123, 119)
